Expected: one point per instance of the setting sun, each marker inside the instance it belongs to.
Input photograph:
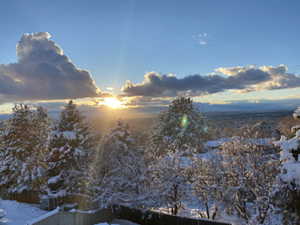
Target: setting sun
(113, 103)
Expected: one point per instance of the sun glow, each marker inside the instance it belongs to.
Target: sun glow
(113, 103)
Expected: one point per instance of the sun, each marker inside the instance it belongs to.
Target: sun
(113, 103)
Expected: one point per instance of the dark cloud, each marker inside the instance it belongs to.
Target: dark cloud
(246, 79)
(43, 72)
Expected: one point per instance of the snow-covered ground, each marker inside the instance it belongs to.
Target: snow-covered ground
(105, 224)
(212, 144)
(216, 143)
(18, 213)
(118, 222)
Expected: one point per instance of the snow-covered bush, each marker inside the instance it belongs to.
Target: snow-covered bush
(241, 179)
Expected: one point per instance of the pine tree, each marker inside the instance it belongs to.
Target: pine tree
(182, 127)
(70, 146)
(121, 170)
(42, 123)
(179, 134)
(35, 164)
(23, 146)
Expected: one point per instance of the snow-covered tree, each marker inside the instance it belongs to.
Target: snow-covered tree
(70, 146)
(285, 124)
(171, 180)
(296, 114)
(24, 143)
(179, 134)
(120, 170)
(42, 124)
(287, 189)
(205, 177)
(180, 128)
(35, 165)
(243, 177)
(260, 130)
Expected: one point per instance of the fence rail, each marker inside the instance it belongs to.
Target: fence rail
(117, 212)
(149, 217)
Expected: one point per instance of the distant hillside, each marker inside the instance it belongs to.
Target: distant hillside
(269, 115)
(102, 121)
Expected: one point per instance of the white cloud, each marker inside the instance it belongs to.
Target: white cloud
(43, 72)
(241, 79)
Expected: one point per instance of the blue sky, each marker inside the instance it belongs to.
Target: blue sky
(121, 40)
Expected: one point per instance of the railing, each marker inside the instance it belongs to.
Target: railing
(149, 217)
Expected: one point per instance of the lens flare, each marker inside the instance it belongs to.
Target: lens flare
(184, 121)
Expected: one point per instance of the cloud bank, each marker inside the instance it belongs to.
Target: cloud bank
(243, 79)
(43, 72)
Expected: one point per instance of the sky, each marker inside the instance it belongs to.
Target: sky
(218, 52)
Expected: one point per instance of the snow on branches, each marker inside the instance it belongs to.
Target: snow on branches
(70, 146)
(23, 148)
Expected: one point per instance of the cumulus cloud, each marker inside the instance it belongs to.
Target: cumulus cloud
(43, 72)
(244, 79)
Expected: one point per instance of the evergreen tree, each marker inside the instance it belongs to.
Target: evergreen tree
(121, 170)
(24, 143)
(70, 146)
(35, 163)
(182, 127)
(179, 133)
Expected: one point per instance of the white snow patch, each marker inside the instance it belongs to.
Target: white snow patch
(292, 173)
(106, 224)
(18, 213)
(54, 179)
(296, 114)
(216, 143)
(211, 154)
(44, 216)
